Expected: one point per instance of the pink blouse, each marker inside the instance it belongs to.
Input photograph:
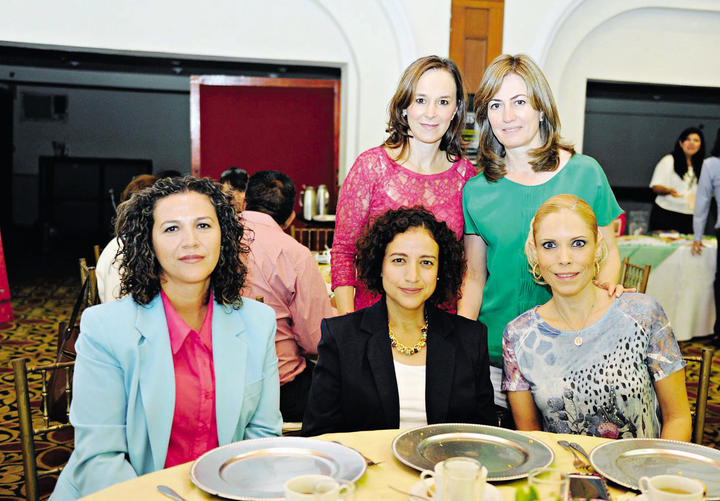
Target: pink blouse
(376, 184)
(194, 427)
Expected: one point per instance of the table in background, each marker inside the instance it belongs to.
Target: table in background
(680, 282)
(377, 445)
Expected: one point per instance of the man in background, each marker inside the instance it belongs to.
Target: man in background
(235, 181)
(284, 273)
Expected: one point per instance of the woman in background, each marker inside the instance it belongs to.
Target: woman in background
(524, 163)
(181, 364)
(675, 181)
(585, 362)
(402, 362)
(420, 163)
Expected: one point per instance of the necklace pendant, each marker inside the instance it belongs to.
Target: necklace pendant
(578, 340)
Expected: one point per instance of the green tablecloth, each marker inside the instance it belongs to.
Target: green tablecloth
(642, 254)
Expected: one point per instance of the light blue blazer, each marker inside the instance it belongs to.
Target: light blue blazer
(124, 389)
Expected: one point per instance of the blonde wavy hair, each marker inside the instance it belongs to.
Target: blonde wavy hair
(554, 205)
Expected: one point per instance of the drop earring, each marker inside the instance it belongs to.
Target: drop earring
(404, 113)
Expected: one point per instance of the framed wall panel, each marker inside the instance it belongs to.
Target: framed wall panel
(291, 125)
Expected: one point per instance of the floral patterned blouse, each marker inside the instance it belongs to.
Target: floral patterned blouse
(604, 387)
(376, 184)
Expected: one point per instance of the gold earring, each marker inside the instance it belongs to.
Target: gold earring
(535, 271)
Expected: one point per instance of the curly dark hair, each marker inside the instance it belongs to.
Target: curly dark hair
(370, 251)
(140, 269)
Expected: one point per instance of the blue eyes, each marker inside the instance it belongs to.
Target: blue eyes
(579, 243)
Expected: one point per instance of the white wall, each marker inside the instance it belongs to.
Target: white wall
(650, 41)
(371, 40)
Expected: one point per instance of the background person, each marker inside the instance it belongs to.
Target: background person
(285, 274)
(709, 186)
(402, 362)
(181, 364)
(107, 268)
(584, 362)
(524, 163)
(675, 181)
(420, 163)
(236, 181)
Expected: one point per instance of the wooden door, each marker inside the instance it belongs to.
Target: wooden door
(286, 124)
(475, 37)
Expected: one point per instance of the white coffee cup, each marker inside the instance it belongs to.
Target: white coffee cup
(456, 479)
(318, 488)
(672, 488)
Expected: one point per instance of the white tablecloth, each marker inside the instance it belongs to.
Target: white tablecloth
(682, 284)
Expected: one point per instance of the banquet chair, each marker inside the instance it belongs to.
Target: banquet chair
(703, 386)
(635, 276)
(315, 239)
(25, 376)
(88, 272)
(96, 253)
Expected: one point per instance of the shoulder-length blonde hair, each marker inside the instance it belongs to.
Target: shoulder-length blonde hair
(554, 205)
(398, 127)
(491, 153)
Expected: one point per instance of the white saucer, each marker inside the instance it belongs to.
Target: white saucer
(492, 493)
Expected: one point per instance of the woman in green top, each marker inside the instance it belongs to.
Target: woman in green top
(524, 162)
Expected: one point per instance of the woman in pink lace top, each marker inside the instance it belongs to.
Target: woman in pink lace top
(420, 163)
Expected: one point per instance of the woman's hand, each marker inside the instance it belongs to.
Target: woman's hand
(696, 248)
(663, 190)
(616, 290)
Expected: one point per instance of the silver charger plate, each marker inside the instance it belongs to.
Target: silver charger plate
(256, 470)
(625, 461)
(507, 454)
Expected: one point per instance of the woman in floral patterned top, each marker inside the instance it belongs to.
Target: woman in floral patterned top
(420, 163)
(585, 362)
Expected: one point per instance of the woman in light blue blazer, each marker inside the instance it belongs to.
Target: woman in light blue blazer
(181, 276)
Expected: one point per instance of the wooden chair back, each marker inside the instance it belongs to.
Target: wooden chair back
(96, 253)
(28, 431)
(315, 239)
(92, 297)
(703, 386)
(635, 276)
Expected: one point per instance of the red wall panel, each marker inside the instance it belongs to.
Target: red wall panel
(290, 128)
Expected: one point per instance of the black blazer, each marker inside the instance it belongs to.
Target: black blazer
(354, 386)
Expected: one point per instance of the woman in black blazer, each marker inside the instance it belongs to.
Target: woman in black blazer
(403, 361)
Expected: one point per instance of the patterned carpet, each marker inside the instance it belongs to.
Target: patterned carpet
(40, 303)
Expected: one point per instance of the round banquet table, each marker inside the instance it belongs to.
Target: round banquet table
(680, 282)
(374, 485)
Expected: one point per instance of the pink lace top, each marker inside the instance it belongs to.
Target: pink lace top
(376, 184)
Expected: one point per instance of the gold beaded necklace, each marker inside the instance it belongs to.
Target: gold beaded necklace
(409, 350)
